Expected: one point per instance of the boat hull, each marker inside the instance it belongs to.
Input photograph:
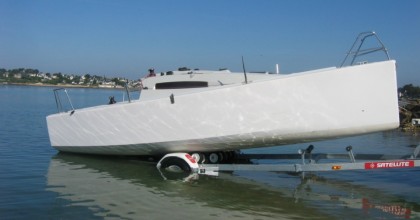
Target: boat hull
(289, 109)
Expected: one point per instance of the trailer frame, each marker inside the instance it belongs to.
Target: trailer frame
(309, 162)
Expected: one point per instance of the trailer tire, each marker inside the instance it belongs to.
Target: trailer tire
(176, 165)
(199, 157)
(214, 158)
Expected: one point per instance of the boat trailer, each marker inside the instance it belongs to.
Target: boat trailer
(309, 162)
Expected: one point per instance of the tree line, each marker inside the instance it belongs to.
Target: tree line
(410, 91)
(28, 75)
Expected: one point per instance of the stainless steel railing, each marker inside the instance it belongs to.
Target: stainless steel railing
(357, 51)
(61, 107)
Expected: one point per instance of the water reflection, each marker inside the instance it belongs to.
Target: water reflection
(130, 189)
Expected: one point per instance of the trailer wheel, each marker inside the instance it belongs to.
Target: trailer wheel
(222, 157)
(214, 158)
(199, 157)
(176, 165)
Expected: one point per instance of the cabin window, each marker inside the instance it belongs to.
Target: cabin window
(181, 85)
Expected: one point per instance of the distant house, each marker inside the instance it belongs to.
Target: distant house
(107, 85)
(17, 76)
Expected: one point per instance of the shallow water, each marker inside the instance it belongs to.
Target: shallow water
(37, 182)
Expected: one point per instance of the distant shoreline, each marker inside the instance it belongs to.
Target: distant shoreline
(59, 85)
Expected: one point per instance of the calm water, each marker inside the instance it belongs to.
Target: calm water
(36, 182)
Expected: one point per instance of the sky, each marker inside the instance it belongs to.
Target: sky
(124, 38)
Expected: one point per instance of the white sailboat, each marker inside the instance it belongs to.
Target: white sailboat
(213, 111)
